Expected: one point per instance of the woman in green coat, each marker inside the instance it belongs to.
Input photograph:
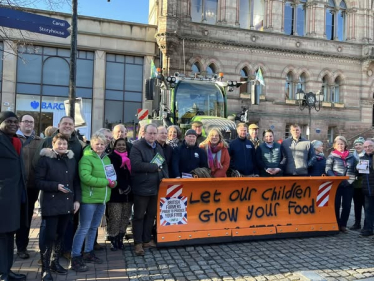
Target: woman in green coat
(96, 191)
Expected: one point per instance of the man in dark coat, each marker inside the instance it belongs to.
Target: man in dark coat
(30, 143)
(242, 153)
(13, 192)
(188, 156)
(146, 176)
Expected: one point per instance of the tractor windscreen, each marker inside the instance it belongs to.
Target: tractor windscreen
(198, 98)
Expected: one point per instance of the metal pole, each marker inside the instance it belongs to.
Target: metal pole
(73, 57)
(310, 122)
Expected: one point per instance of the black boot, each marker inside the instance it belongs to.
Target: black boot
(120, 240)
(55, 265)
(46, 259)
(113, 243)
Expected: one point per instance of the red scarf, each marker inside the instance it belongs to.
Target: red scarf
(343, 155)
(125, 160)
(214, 161)
(17, 144)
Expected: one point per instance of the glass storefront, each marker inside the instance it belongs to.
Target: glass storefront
(123, 90)
(43, 85)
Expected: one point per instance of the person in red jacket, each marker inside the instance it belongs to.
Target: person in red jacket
(217, 151)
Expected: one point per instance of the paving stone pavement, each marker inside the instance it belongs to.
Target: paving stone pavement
(339, 257)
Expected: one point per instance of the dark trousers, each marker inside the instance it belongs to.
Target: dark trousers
(343, 198)
(22, 234)
(145, 210)
(6, 252)
(70, 232)
(54, 229)
(369, 213)
(359, 203)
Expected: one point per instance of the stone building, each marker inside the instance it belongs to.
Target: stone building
(313, 45)
(113, 59)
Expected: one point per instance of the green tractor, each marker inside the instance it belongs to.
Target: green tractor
(180, 100)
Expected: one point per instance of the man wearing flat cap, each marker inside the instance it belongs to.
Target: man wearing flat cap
(253, 135)
(12, 192)
(188, 156)
(198, 127)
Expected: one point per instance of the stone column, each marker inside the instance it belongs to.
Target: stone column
(8, 98)
(296, 3)
(98, 98)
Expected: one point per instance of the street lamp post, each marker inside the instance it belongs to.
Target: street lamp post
(309, 100)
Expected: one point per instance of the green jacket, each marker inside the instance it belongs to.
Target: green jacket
(94, 183)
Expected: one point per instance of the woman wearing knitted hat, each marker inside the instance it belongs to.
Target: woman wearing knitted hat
(358, 195)
(342, 163)
(317, 164)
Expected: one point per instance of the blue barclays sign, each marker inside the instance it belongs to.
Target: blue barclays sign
(48, 105)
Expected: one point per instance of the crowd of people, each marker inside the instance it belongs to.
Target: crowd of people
(79, 183)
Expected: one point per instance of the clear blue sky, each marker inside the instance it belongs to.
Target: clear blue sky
(125, 10)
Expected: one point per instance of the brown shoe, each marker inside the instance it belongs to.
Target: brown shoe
(150, 244)
(343, 229)
(138, 249)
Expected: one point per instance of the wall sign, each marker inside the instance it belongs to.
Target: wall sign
(48, 105)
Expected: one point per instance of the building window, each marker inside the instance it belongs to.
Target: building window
(335, 21)
(195, 68)
(302, 83)
(289, 18)
(341, 20)
(335, 91)
(289, 87)
(331, 133)
(258, 91)
(300, 17)
(204, 11)
(325, 89)
(330, 20)
(43, 85)
(245, 88)
(251, 14)
(123, 89)
(294, 18)
(211, 69)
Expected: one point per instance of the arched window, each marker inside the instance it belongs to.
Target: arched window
(335, 91)
(302, 82)
(289, 89)
(251, 14)
(211, 69)
(195, 68)
(325, 89)
(330, 20)
(245, 88)
(204, 11)
(294, 17)
(341, 20)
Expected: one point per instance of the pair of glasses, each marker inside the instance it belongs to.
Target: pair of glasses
(27, 122)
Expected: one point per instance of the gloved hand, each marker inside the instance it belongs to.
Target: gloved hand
(111, 183)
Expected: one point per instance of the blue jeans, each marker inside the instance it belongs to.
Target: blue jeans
(89, 220)
(369, 213)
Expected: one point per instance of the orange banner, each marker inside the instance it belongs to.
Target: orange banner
(196, 211)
